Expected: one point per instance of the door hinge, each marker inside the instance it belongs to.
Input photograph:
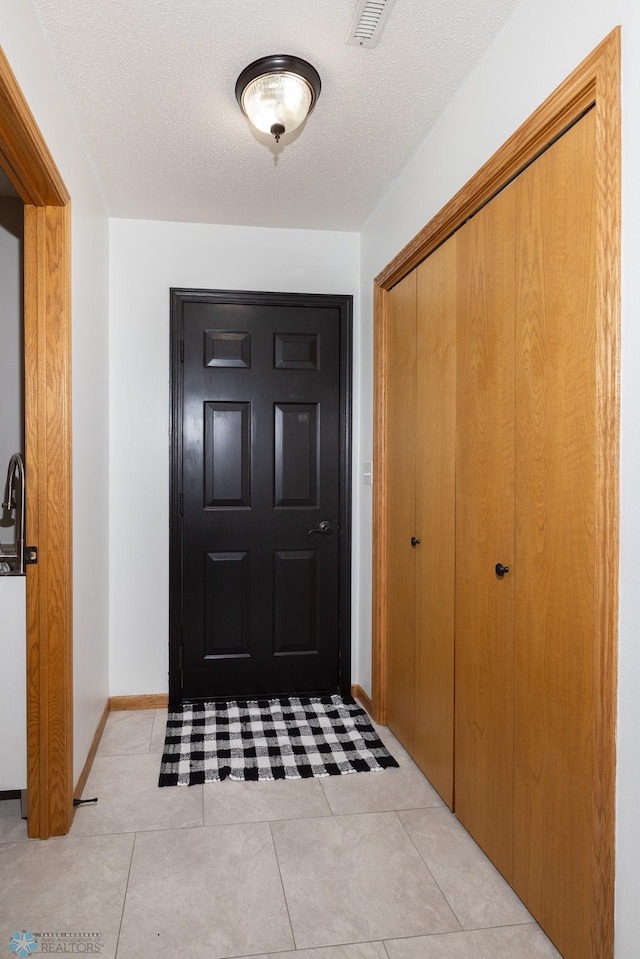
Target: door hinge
(30, 555)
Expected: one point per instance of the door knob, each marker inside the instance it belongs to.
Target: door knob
(415, 542)
(324, 528)
(501, 570)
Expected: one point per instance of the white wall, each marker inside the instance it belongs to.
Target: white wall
(147, 259)
(13, 712)
(25, 48)
(541, 44)
(13, 689)
(11, 367)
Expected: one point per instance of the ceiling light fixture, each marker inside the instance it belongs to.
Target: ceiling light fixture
(278, 93)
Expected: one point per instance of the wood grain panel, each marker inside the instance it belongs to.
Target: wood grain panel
(379, 511)
(35, 409)
(595, 82)
(606, 535)
(484, 530)
(555, 516)
(48, 519)
(435, 517)
(399, 480)
(57, 546)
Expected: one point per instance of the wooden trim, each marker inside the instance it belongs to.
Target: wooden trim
(25, 158)
(48, 519)
(363, 698)
(86, 769)
(149, 701)
(114, 704)
(607, 419)
(595, 83)
(24, 155)
(379, 573)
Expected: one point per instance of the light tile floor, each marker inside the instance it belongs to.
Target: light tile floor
(366, 866)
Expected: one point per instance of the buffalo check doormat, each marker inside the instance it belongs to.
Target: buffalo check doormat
(293, 738)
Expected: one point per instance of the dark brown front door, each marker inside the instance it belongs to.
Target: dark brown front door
(260, 521)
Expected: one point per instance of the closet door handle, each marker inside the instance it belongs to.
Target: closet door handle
(415, 542)
(501, 570)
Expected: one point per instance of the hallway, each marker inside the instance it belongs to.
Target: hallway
(364, 866)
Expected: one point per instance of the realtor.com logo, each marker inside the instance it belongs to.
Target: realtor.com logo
(24, 944)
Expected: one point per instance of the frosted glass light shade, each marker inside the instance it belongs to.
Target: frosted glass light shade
(277, 99)
(277, 93)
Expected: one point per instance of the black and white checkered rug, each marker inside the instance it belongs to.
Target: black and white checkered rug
(294, 738)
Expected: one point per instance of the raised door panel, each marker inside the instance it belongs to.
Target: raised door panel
(227, 604)
(400, 482)
(227, 455)
(555, 523)
(435, 517)
(296, 595)
(484, 530)
(296, 454)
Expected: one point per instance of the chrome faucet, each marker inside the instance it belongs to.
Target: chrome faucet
(15, 502)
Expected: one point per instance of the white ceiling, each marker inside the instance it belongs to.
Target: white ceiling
(152, 85)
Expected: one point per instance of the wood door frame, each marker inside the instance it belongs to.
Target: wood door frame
(25, 158)
(344, 305)
(595, 84)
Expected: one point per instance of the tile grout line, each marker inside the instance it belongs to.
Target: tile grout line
(284, 892)
(467, 933)
(326, 798)
(124, 898)
(128, 832)
(153, 729)
(331, 814)
(426, 865)
(153, 726)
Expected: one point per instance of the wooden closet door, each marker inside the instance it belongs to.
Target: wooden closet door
(400, 484)
(485, 530)
(435, 517)
(555, 520)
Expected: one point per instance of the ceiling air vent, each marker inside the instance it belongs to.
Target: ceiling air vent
(368, 22)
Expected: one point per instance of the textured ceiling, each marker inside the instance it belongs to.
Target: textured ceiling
(152, 85)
